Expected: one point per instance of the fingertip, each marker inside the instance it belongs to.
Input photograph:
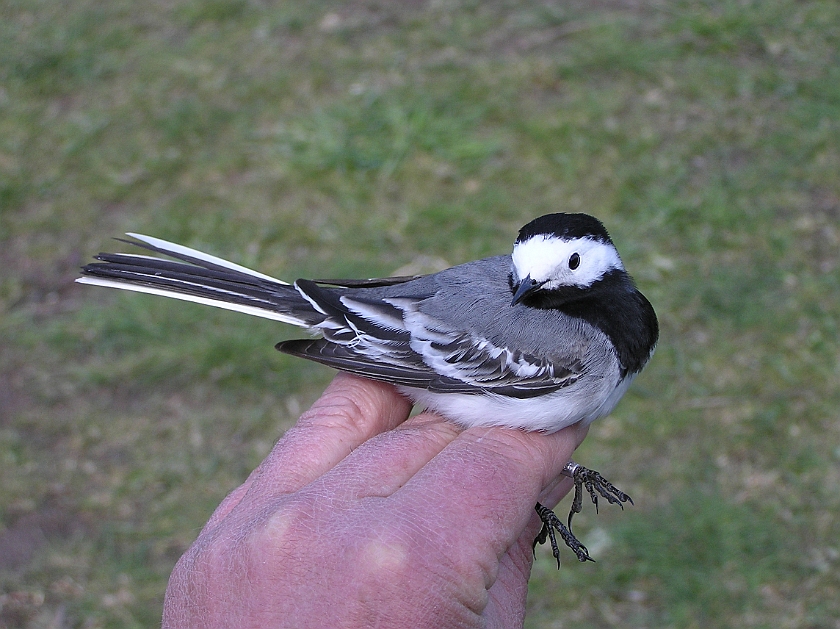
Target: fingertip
(556, 491)
(535, 458)
(365, 405)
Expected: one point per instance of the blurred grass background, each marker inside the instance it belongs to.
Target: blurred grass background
(351, 139)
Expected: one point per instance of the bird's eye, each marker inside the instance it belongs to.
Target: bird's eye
(574, 261)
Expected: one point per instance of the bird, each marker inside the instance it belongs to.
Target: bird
(547, 336)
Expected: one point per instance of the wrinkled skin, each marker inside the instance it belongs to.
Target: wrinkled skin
(360, 517)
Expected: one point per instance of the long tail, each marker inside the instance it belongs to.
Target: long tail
(200, 278)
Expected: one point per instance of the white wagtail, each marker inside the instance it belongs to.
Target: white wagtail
(546, 337)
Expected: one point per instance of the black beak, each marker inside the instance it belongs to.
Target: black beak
(525, 288)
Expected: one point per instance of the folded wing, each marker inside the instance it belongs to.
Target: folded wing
(390, 339)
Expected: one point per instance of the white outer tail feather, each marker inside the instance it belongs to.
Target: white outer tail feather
(167, 246)
(195, 253)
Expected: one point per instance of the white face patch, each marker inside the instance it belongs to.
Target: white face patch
(547, 259)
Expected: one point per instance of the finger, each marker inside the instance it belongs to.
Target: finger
(492, 479)
(383, 464)
(506, 597)
(351, 411)
(378, 467)
(556, 491)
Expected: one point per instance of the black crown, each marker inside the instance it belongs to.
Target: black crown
(565, 226)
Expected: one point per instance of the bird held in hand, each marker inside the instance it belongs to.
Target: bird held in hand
(546, 337)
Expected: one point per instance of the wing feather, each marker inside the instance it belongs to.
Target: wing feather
(391, 340)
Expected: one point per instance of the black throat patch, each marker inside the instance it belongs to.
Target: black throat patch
(613, 305)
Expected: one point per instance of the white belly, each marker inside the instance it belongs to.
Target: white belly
(584, 401)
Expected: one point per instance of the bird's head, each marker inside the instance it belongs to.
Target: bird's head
(561, 251)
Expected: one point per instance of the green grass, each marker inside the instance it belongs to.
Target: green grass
(329, 139)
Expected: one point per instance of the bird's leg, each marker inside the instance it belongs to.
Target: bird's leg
(596, 485)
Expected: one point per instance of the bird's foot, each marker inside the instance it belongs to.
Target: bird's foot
(596, 485)
(552, 523)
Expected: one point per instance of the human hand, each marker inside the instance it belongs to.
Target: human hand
(361, 518)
